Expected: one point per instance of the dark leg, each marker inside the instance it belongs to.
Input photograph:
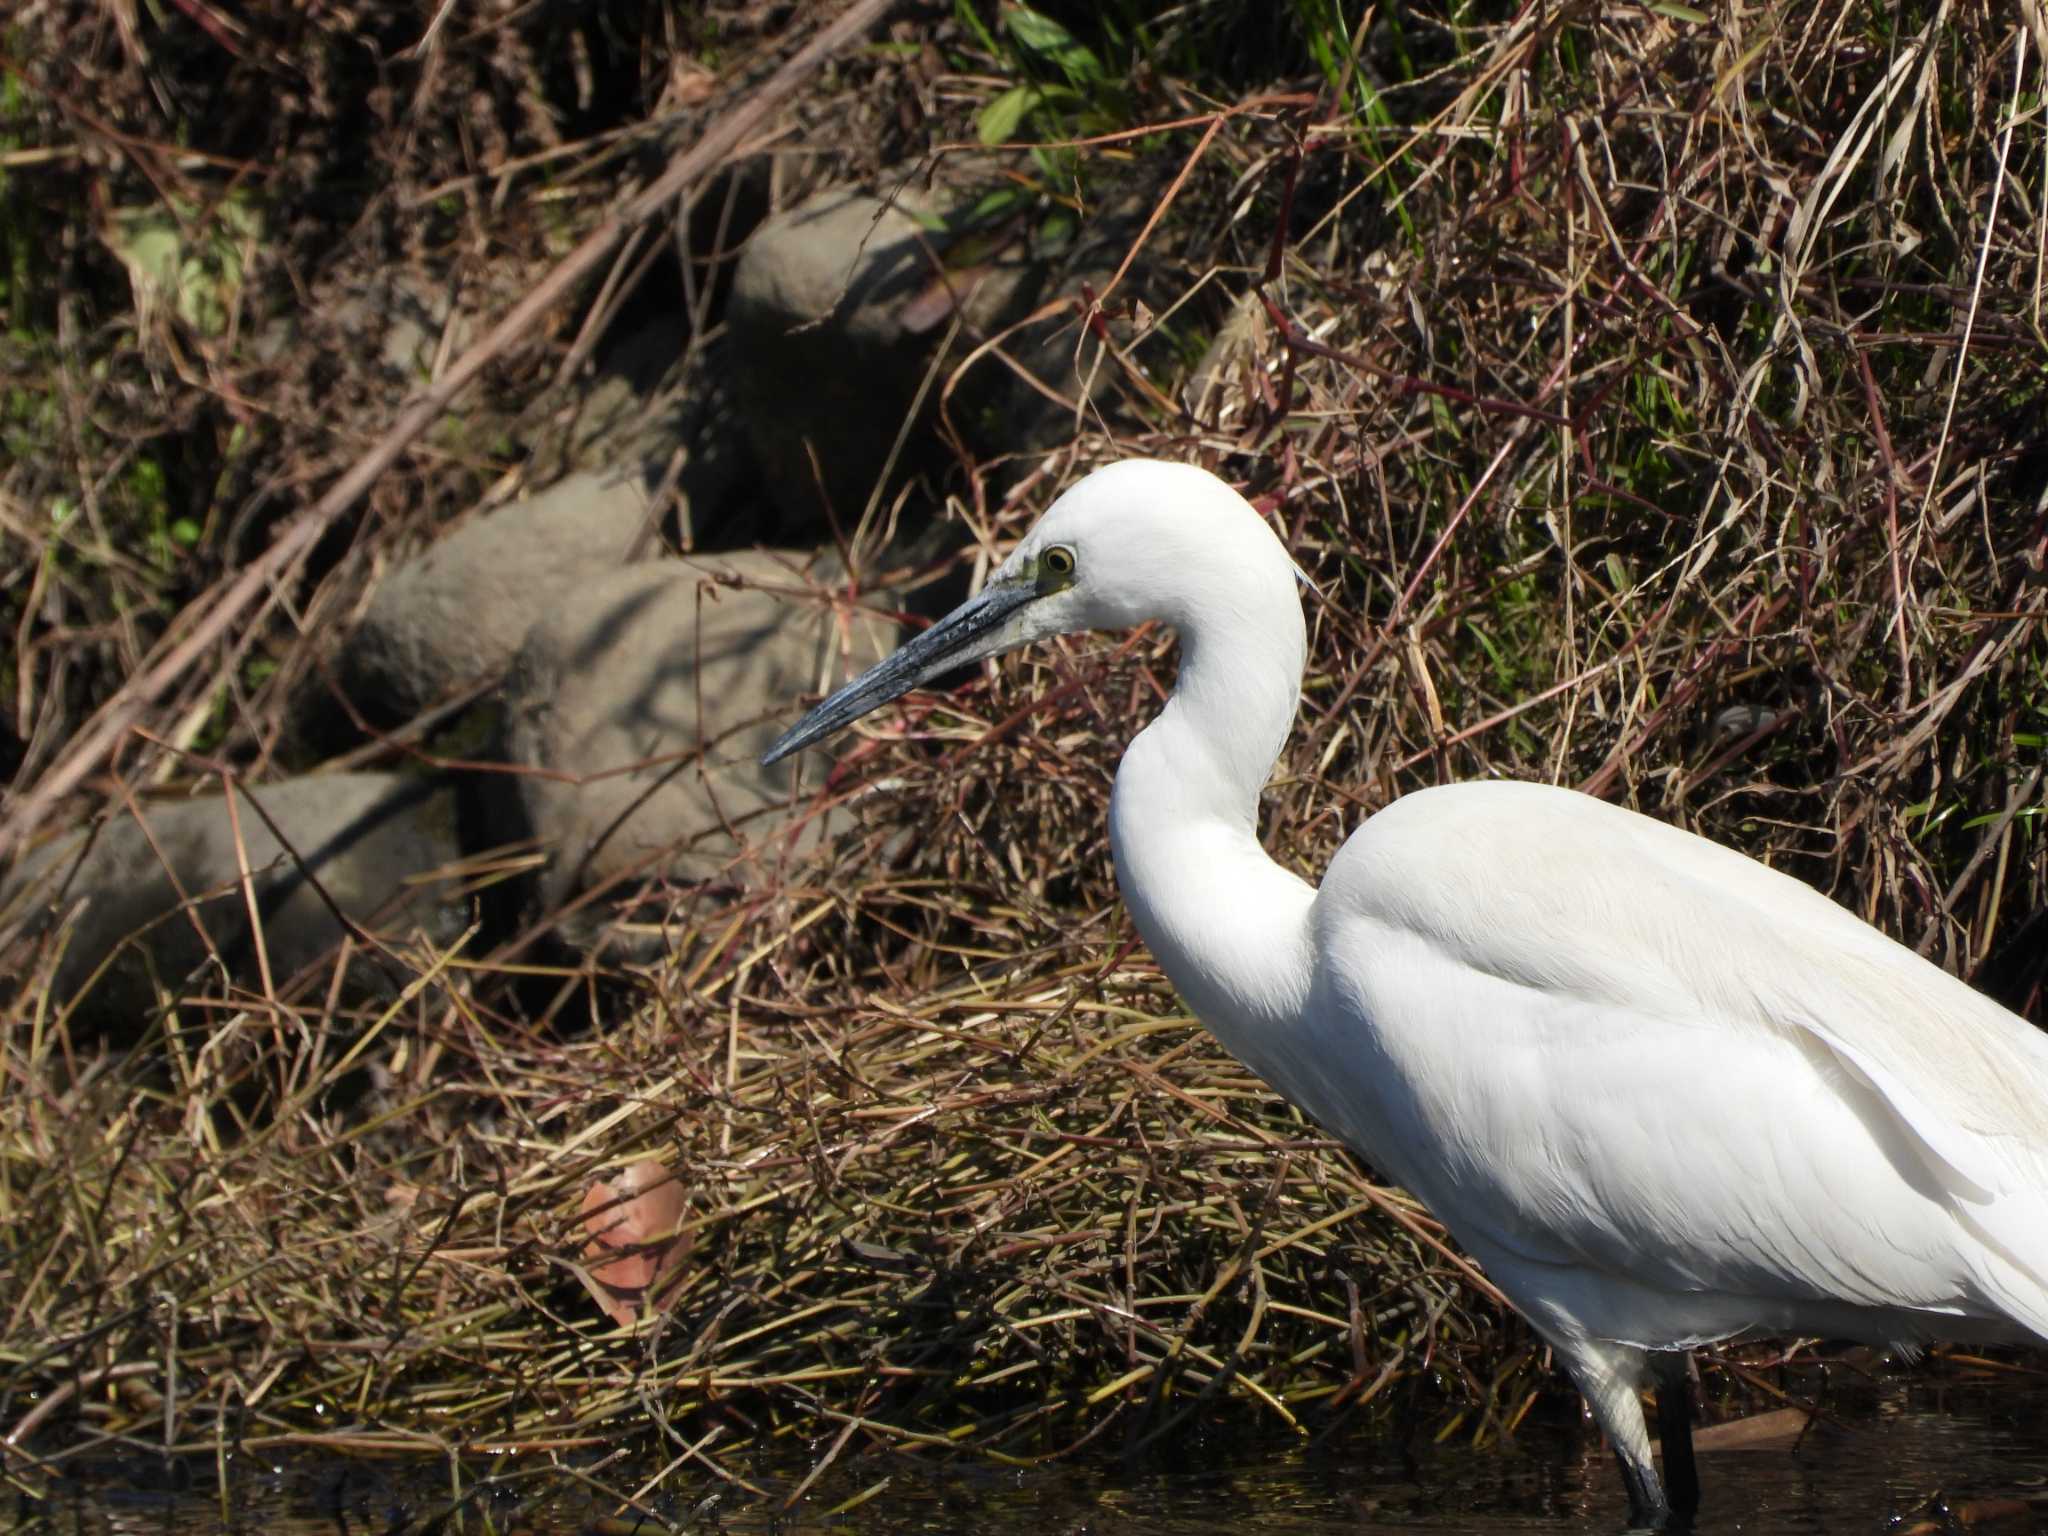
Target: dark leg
(1647, 1507)
(1674, 1430)
(1609, 1375)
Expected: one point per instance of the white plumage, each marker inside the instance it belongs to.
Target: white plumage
(1665, 1095)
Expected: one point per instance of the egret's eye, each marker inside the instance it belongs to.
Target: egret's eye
(1055, 567)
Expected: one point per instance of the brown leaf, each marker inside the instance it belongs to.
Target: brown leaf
(689, 84)
(632, 1219)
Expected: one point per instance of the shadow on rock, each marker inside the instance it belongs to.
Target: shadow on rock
(141, 904)
(638, 711)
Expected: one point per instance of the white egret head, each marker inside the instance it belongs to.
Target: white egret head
(1133, 541)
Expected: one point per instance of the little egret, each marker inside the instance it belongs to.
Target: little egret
(1665, 1095)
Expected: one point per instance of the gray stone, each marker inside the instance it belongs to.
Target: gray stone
(643, 704)
(839, 307)
(456, 613)
(117, 890)
(390, 312)
(1732, 722)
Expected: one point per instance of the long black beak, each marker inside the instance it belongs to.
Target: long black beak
(968, 633)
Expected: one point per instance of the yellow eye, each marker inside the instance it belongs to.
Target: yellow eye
(1058, 560)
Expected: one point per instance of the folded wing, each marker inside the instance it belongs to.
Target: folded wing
(1636, 1063)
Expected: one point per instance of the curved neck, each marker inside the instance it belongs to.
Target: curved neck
(1227, 924)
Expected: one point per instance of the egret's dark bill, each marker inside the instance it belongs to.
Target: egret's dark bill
(968, 633)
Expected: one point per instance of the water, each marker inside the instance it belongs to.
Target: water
(1899, 1450)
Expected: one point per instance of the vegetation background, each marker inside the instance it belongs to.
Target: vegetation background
(1658, 395)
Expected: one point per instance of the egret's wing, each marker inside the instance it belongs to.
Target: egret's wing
(1632, 1049)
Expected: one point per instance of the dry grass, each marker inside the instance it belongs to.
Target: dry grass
(1658, 406)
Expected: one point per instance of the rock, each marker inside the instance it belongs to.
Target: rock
(389, 313)
(366, 838)
(409, 319)
(1734, 721)
(839, 308)
(825, 369)
(617, 688)
(456, 614)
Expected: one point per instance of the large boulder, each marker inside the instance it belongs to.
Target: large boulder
(640, 706)
(156, 902)
(840, 306)
(457, 612)
(825, 368)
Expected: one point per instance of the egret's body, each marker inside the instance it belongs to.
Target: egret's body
(1664, 1094)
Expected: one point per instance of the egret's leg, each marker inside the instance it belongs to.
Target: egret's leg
(1609, 1376)
(1673, 1371)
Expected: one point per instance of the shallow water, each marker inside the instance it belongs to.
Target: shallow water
(1913, 1444)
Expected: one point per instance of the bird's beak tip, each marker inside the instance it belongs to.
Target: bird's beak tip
(957, 638)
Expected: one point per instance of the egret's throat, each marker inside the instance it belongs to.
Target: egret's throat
(1227, 924)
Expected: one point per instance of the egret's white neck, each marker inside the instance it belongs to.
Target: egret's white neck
(1227, 924)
